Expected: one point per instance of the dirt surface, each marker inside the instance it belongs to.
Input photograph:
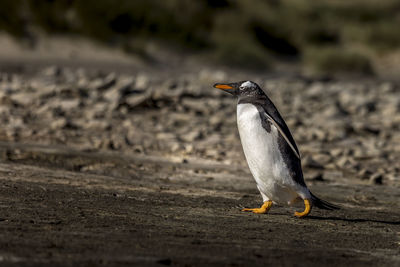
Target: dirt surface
(142, 167)
(142, 212)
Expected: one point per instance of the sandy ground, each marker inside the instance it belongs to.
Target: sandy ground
(113, 164)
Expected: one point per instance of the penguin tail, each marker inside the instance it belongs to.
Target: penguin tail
(322, 204)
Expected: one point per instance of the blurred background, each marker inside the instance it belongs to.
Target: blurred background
(352, 37)
(137, 76)
(116, 149)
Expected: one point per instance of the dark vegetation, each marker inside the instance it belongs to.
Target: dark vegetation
(324, 35)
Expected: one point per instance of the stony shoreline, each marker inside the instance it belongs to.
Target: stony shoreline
(348, 128)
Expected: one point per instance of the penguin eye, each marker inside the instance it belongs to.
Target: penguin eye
(243, 87)
(246, 86)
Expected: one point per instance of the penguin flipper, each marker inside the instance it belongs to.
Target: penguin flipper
(295, 151)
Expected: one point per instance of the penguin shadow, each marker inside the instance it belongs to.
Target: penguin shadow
(334, 218)
(355, 220)
(285, 211)
(394, 221)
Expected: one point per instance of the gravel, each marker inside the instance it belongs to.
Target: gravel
(339, 125)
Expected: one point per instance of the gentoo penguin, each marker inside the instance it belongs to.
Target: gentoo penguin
(270, 150)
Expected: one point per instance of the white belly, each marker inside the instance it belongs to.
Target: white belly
(264, 158)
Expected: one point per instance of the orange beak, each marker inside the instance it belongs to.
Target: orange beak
(223, 86)
(228, 87)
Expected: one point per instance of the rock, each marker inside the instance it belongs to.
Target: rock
(52, 71)
(322, 159)
(392, 177)
(365, 173)
(309, 162)
(347, 163)
(333, 111)
(142, 81)
(58, 123)
(319, 177)
(122, 93)
(116, 144)
(390, 108)
(371, 129)
(102, 125)
(195, 105)
(318, 134)
(68, 105)
(46, 91)
(97, 111)
(387, 87)
(166, 136)
(336, 152)
(138, 149)
(175, 146)
(210, 140)
(315, 90)
(103, 84)
(23, 98)
(216, 119)
(359, 153)
(191, 136)
(212, 153)
(69, 76)
(182, 118)
(137, 100)
(16, 122)
(112, 96)
(376, 178)
(4, 112)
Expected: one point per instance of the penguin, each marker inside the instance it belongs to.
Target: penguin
(270, 150)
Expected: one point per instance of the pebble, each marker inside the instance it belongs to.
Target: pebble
(376, 178)
(365, 173)
(58, 123)
(319, 177)
(322, 159)
(191, 136)
(310, 162)
(68, 105)
(133, 101)
(22, 99)
(347, 163)
(336, 152)
(52, 71)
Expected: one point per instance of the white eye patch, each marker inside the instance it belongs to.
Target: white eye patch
(246, 84)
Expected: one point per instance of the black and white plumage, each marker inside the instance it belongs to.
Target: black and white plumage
(270, 150)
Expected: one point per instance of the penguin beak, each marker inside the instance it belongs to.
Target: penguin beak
(227, 87)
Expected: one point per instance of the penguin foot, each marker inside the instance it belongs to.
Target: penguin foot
(306, 211)
(264, 208)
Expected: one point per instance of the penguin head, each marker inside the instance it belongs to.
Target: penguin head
(243, 88)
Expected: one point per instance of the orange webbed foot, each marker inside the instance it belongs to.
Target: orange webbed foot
(264, 208)
(306, 211)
